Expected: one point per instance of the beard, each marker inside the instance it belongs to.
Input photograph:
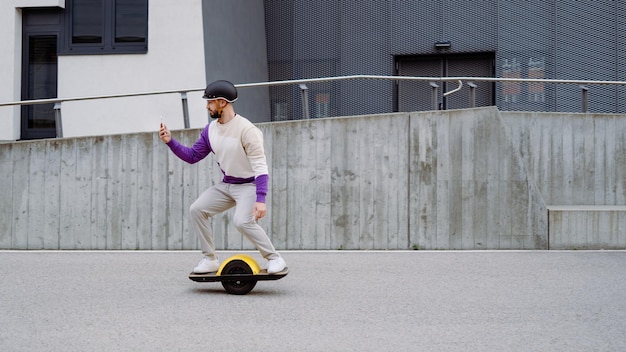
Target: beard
(215, 114)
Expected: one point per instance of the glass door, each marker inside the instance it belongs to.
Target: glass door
(39, 82)
(417, 95)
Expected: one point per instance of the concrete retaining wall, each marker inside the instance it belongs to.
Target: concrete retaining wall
(460, 179)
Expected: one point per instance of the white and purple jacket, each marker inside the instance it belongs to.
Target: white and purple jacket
(238, 149)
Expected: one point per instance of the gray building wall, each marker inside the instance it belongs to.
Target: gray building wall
(458, 179)
(235, 50)
(571, 39)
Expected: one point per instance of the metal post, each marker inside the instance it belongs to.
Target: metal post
(183, 97)
(434, 96)
(585, 102)
(57, 119)
(472, 94)
(304, 91)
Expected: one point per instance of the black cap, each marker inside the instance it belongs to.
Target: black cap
(221, 90)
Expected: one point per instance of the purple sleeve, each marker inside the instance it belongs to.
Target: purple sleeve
(197, 152)
(261, 187)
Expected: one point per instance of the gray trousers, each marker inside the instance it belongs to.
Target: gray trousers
(220, 198)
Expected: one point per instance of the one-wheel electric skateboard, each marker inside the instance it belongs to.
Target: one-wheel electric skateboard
(238, 274)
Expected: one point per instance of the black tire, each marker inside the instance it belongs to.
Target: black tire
(237, 287)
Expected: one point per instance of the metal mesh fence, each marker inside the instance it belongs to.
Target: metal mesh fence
(565, 39)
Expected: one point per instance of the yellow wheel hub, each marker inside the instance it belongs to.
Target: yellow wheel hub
(243, 257)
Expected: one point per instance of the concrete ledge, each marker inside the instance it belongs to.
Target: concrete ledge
(587, 226)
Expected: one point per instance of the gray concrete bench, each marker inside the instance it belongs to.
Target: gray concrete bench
(587, 226)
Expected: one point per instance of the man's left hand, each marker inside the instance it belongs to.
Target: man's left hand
(259, 210)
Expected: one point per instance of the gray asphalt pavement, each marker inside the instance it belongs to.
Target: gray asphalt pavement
(330, 301)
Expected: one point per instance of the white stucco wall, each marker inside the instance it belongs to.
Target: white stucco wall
(175, 60)
(10, 68)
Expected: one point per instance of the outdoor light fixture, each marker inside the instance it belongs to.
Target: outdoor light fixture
(441, 45)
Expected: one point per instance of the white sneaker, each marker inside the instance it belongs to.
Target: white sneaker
(207, 265)
(276, 265)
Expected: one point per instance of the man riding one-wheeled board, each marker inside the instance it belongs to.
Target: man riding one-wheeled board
(238, 149)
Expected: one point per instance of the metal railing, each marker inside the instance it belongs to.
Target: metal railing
(583, 85)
